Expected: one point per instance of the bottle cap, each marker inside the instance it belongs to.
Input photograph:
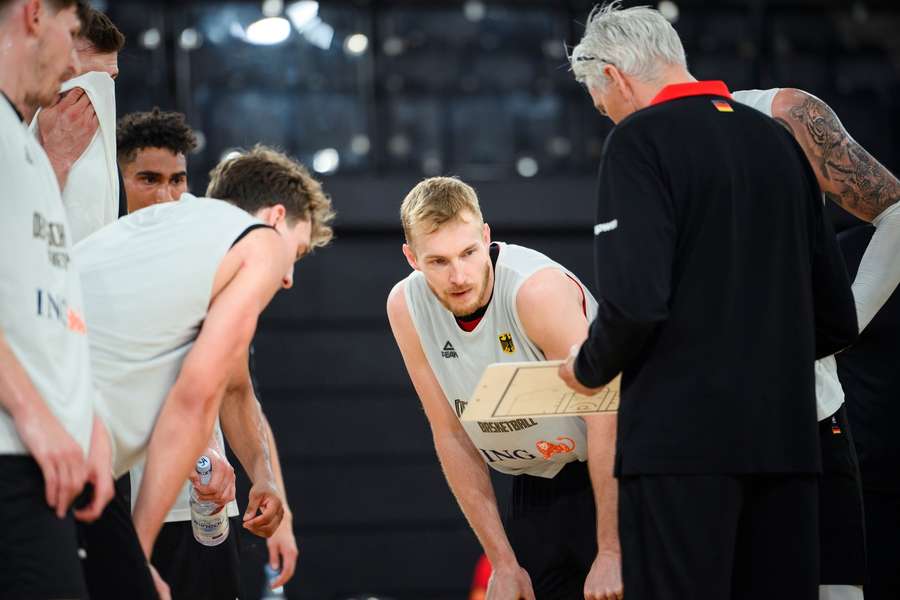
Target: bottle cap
(204, 465)
(204, 469)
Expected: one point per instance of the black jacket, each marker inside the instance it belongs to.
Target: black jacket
(720, 281)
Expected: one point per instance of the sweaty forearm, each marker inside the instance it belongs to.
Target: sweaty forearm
(601, 456)
(275, 461)
(17, 392)
(245, 429)
(468, 478)
(179, 437)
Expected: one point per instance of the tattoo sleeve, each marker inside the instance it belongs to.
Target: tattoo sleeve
(847, 174)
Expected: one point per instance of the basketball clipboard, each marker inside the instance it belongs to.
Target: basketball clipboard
(533, 389)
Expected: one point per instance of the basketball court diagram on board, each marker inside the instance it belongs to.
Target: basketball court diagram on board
(533, 389)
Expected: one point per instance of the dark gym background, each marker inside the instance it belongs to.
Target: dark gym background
(479, 89)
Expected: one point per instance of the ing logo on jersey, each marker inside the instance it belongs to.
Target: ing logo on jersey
(506, 343)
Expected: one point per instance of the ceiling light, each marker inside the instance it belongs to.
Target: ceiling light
(669, 10)
(326, 161)
(356, 44)
(272, 8)
(151, 38)
(302, 13)
(527, 166)
(269, 31)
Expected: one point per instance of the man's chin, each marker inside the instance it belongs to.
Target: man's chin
(459, 310)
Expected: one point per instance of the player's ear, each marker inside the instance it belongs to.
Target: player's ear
(486, 234)
(280, 213)
(272, 215)
(34, 12)
(410, 257)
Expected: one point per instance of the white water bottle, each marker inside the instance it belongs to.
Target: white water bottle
(270, 576)
(208, 520)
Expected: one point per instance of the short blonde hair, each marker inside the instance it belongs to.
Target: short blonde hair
(435, 201)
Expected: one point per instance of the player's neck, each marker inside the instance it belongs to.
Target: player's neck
(671, 75)
(12, 75)
(470, 321)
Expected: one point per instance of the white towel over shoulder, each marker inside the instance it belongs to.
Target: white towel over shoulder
(91, 195)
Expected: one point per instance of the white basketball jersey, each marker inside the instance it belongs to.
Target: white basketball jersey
(41, 303)
(148, 280)
(829, 393)
(458, 358)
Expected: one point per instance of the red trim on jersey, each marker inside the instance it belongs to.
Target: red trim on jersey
(469, 326)
(694, 88)
(583, 297)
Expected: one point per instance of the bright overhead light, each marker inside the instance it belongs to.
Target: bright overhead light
(360, 144)
(356, 44)
(319, 34)
(272, 8)
(151, 39)
(474, 10)
(190, 39)
(268, 31)
(302, 13)
(669, 10)
(527, 166)
(326, 161)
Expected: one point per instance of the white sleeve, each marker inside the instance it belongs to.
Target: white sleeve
(879, 269)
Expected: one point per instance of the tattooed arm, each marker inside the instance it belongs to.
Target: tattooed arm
(847, 174)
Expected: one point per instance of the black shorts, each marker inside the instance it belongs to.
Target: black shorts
(38, 551)
(883, 541)
(717, 537)
(842, 534)
(115, 566)
(194, 571)
(552, 527)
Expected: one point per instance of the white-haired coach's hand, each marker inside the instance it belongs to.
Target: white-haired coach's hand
(567, 374)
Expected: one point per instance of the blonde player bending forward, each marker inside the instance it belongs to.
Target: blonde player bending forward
(470, 303)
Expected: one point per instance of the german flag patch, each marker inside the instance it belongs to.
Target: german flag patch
(722, 106)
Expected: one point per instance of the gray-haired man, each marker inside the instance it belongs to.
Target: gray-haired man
(720, 281)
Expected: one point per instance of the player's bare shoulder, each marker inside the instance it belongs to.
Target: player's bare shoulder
(260, 248)
(547, 285)
(397, 309)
